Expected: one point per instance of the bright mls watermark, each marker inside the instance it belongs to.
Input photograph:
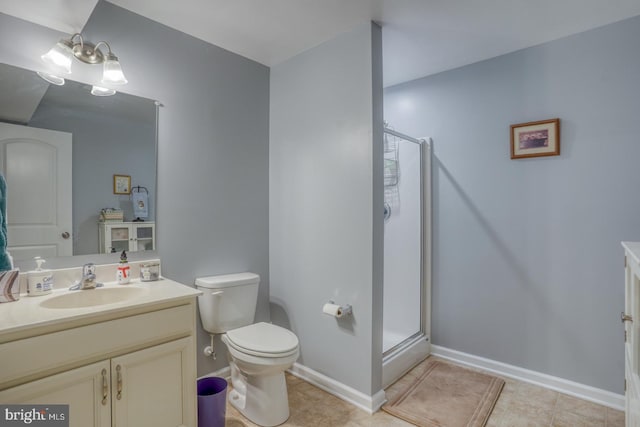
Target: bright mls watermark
(34, 415)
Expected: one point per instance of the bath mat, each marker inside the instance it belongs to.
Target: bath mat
(446, 395)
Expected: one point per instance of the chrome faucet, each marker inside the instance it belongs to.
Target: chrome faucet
(88, 280)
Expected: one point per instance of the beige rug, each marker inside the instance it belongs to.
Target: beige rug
(447, 396)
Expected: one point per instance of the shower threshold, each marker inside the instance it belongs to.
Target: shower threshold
(400, 359)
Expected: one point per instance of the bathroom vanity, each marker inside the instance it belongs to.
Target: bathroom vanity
(630, 317)
(118, 355)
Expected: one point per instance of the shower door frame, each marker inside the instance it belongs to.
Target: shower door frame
(404, 356)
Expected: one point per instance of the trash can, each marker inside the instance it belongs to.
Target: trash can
(212, 401)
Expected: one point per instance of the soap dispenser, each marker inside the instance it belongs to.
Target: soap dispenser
(39, 281)
(122, 275)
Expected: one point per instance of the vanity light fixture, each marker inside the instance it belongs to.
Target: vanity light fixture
(54, 80)
(102, 91)
(60, 57)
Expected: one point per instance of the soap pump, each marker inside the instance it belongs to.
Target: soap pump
(39, 281)
(122, 275)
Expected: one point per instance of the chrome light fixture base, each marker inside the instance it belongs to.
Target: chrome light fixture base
(87, 53)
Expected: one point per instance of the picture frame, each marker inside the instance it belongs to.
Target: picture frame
(121, 184)
(535, 139)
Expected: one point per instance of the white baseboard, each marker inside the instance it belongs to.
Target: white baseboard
(363, 401)
(368, 403)
(582, 391)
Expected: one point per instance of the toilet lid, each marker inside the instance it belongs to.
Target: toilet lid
(263, 338)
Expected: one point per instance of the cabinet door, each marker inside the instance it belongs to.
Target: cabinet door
(632, 403)
(120, 237)
(144, 237)
(632, 308)
(155, 386)
(85, 390)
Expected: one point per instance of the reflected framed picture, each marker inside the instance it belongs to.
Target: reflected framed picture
(535, 139)
(121, 184)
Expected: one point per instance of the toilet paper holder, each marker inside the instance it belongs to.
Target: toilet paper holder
(337, 310)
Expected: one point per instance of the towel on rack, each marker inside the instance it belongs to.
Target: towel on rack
(5, 260)
(140, 204)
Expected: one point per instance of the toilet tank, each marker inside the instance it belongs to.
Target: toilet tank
(228, 301)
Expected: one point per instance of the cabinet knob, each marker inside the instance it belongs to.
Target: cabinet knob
(625, 317)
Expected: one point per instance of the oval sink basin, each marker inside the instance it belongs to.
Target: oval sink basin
(92, 297)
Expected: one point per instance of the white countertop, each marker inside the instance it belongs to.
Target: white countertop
(28, 312)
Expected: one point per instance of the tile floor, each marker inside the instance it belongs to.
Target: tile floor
(520, 404)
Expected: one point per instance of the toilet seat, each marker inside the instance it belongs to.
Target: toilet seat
(263, 340)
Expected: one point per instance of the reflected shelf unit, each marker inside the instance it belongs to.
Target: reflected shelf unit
(630, 317)
(115, 237)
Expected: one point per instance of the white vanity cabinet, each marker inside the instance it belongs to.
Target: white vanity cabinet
(631, 319)
(126, 236)
(80, 388)
(146, 387)
(131, 368)
(151, 387)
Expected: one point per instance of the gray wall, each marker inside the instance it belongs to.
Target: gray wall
(325, 177)
(527, 262)
(212, 207)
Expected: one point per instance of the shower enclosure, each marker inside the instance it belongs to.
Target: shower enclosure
(407, 247)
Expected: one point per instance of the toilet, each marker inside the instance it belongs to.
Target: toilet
(259, 352)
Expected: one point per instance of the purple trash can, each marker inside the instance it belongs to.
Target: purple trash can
(212, 401)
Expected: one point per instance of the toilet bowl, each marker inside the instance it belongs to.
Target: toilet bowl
(259, 353)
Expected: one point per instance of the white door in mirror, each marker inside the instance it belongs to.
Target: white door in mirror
(37, 162)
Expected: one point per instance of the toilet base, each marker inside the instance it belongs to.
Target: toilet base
(263, 399)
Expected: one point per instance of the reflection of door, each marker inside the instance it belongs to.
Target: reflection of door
(37, 166)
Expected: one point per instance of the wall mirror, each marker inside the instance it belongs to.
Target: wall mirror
(89, 139)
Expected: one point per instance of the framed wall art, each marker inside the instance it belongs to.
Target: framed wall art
(121, 184)
(535, 139)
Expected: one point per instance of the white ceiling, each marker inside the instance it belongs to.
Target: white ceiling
(420, 37)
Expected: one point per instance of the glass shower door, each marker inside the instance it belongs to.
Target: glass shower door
(407, 254)
(402, 304)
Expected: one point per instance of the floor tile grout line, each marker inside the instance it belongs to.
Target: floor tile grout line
(555, 409)
(606, 417)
